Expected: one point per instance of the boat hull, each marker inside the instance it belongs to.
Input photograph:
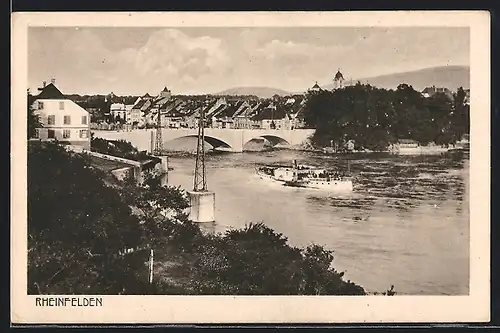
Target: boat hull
(326, 185)
(311, 179)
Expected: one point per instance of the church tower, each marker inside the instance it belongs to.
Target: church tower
(338, 80)
(165, 93)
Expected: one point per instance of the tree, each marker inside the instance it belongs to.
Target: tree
(375, 118)
(460, 116)
(78, 228)
(159, 208)
(356, 113)
(33, 119)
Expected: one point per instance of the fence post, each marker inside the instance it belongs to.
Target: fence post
(151, 267)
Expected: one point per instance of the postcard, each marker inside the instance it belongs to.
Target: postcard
(250, 167)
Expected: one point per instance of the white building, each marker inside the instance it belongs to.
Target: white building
(118, 110)
(316, 88)
(61, 118)
(128, 113)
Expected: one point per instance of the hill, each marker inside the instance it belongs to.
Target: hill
(451, 77)
(263, 92)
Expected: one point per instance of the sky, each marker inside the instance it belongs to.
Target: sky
(90, 60)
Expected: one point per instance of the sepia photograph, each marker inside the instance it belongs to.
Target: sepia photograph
(238, 159)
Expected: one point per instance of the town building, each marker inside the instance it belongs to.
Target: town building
(61, 119)
(242, 117)
(273, 117)
(128, 113)
(338, 80)
(431, 91)
(118, 112)
(134, 117)
(157, 104)
(225, 118)
(192, 120)
(316, 88)
(295, 109)
(170, 113)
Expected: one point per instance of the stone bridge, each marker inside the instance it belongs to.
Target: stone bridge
(230, 139)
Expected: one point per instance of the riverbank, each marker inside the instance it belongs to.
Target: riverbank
(405, 222)
(254, 260)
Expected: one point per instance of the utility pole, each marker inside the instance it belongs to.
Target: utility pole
(159, 139)
(202, 201)
(200, 182)
(151, 266)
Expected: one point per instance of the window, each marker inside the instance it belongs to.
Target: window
(84, 134)
(61, 105)
(51, 120)
(36, 134)
(66, 134)
(67, 120)
(84, 120)
(40, 105)
(51, 134)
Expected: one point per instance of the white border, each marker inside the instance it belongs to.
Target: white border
(255, 309)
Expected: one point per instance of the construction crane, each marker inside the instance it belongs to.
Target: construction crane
(200, 179)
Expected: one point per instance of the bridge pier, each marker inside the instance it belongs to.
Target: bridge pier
(164, 170)
(202, 206)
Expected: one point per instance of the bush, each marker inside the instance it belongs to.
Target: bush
(118, 148)
(256, 260)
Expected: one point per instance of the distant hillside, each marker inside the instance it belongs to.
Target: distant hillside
(262, 92)
(451, 77)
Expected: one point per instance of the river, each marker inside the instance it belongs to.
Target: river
(406, 223)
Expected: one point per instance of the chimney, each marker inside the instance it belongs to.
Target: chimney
(53, 81)
(44, 83)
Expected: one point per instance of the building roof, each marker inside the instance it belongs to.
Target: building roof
(146, 105)
(161, 100)
(117, 106)
(139, 104)
(316, 86)
(242, 109)
(165, 90)
(217, 111)
(430, 91)
(229, 111)
(269, 114)
(174, 112)
(50, 91)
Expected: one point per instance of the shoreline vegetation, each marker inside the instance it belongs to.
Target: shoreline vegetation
(362, 117)
(87, 235)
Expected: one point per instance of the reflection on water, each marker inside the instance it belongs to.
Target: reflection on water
(406, 223)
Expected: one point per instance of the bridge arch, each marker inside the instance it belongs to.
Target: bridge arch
(272, 139)
(213, 141)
